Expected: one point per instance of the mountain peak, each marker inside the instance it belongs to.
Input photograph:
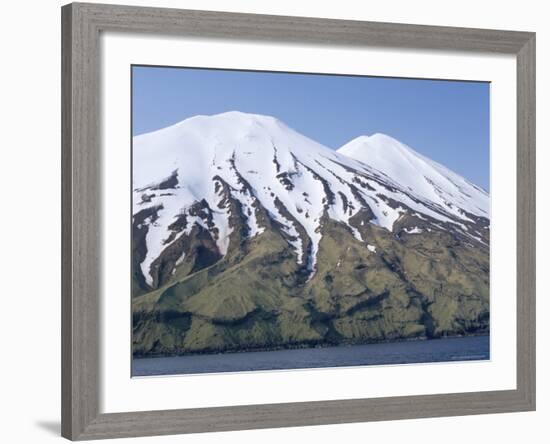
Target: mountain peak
(418, 173)
(232, 117)
(378, 144)
(234, 114)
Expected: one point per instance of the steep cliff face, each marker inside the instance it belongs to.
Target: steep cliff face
(248, 235)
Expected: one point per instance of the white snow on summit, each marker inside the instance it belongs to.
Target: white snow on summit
(296, 180)
(420, 175)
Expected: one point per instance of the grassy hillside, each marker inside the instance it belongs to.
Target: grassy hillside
(423, 285)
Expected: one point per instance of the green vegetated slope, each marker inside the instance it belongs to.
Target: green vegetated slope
(256, 297)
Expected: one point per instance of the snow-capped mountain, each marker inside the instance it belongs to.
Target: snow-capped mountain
(248, 235)
(198, 172)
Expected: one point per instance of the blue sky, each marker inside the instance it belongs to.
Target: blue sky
(448, 121)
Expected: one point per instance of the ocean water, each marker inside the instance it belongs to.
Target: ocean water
(471, 348)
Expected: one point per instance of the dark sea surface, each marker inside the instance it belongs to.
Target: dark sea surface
(472, 348)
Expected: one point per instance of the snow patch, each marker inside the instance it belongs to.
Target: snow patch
(179, 261)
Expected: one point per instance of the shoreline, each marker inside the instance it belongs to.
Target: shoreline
(306, 346)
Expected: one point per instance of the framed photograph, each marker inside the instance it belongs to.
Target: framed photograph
(278, 221)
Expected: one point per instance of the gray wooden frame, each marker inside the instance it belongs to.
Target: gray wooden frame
(81, 166)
